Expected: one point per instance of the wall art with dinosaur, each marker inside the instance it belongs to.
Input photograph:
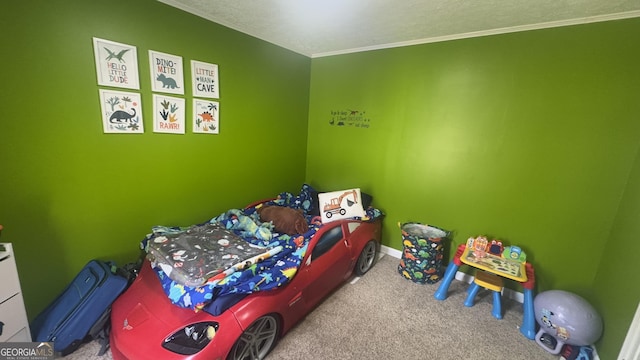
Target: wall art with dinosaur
(116, 64)
(167, 75)
(206, 118)
(168, 114)
(121, 111)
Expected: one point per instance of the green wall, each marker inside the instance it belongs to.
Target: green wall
(528, 137)
(69, 192)
(616, 284)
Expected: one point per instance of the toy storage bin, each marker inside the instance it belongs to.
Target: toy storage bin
(422, 253)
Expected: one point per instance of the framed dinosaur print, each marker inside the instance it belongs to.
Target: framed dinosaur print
(167, 75)
(116, 64)
(168, 114)
(121, 112)
(206, 118)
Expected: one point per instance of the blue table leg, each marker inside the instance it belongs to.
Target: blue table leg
(528, 328)
(471, 294)
(449, 275)
(497, 305)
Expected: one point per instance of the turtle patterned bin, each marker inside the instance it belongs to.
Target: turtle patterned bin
(422, 253)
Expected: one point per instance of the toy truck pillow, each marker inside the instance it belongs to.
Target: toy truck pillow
(338, 205)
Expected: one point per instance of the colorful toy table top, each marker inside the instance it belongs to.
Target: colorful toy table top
(508, 268)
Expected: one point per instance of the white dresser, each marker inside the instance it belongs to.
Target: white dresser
(13, 316)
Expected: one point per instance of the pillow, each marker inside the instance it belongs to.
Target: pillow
(342, 204)
(284, 219)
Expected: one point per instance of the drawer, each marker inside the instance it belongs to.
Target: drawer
(9, 285)
(14, 317)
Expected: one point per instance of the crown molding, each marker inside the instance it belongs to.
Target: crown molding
(506, 30)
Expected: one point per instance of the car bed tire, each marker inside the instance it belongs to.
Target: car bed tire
(268, 325)
(367, 258)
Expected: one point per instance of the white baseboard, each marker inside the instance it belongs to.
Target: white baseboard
(390, 251)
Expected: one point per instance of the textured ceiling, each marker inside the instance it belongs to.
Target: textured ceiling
(327, 27)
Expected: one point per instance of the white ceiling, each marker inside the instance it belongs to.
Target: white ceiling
(328, 27)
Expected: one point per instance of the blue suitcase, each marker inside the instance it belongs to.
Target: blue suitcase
(67, 320)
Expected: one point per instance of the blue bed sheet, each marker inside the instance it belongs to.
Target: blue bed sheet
(270, 273)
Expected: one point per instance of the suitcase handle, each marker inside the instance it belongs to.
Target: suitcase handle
(102, 277)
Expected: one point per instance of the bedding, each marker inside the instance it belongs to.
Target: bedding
(202, 252)
(278, 258)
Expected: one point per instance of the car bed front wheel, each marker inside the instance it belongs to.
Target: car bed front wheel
(367, 258)
(256, 342)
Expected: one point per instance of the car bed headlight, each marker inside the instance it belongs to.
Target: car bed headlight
(191, 338)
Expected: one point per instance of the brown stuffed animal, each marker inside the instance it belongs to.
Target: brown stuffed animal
(285, 219)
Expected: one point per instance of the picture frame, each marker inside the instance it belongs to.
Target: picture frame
(206, 116)
(342, 204)
(121, 112)
(168, 114)
(204, 79)
(167, 74)
(116, 64)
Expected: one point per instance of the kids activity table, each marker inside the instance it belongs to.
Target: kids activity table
(521, 272)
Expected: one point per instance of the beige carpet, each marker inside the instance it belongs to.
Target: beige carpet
(384, 316)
